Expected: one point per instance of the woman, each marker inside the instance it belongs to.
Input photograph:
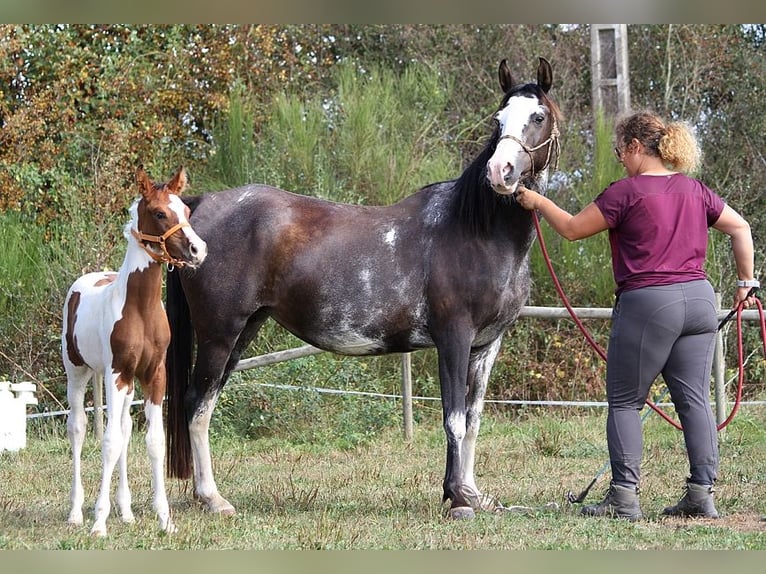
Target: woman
(664, 317)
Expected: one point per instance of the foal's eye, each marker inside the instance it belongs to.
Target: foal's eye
(538, 118)
(160, 215)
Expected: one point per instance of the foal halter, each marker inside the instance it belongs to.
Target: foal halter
(551, 142)
(165, 257)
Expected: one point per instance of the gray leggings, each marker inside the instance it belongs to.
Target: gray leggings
(668, 330)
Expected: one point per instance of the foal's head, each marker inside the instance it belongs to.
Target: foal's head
(527, 130)
(160, 222)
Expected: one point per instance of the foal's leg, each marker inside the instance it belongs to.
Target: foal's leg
(479, 368)
(77, 424)
(155, 446)
(111, 447)
(122, 495)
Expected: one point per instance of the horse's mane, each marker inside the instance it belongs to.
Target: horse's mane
(476, 202)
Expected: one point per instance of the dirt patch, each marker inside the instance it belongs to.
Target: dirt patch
(740, 522)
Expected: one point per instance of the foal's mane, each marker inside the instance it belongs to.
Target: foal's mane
(476, 202)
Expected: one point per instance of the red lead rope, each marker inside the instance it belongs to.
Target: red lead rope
(602, 353)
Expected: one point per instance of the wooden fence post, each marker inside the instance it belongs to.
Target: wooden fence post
(407, 394)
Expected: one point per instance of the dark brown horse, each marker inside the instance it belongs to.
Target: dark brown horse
(446, 267)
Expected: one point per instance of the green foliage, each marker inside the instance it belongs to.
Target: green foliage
(356, 113)
(373, 138)
(582, 267)
(256, 404)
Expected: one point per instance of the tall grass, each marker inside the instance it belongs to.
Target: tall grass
(374, 138)
(37, 266)
(583, 267)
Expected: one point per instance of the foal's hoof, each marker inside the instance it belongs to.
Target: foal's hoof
(462, 513)
(74, 519)
(170, 528)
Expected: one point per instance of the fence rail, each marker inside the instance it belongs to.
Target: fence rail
(600, 313)
(719, 367)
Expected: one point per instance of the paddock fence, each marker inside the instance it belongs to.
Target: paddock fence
(406, 396)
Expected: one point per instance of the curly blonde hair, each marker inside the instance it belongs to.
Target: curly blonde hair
(674, 143)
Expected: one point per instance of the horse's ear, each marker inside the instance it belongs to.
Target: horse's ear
(504, 74)
(145, 184)
(177, 185)
(544, 75)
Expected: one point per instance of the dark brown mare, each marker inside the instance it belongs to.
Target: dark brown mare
(115, 329)
(444, 267)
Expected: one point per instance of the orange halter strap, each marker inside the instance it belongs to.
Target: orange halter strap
(165, 256)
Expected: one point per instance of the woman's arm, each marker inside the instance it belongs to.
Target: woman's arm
(734, 225)
(572, 227)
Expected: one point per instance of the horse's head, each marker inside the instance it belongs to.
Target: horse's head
(160, 222)
(527, 130)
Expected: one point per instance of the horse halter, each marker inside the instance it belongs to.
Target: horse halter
(551, 142)
(165, 257)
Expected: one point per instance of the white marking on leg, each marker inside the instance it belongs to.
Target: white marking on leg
(481, 369)
(155, 446)
(122, 495)
(111, 447)
(77, 424)
(204, 483)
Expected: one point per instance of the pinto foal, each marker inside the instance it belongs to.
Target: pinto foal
(115, 326)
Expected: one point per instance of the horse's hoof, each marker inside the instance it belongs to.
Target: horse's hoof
(462, 513)
(222, 509)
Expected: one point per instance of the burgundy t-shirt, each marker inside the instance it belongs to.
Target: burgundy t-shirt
(658, 228)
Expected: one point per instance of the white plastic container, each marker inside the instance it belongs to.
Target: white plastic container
(14, 398)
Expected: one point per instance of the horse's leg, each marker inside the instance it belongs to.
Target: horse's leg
(453, 367)
(111, 447)
(217, 355)
(205, 487)
(122, 495)
(479, 368)
(77, 424)
(155, 446)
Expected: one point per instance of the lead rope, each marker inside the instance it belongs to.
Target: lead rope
(602, 354)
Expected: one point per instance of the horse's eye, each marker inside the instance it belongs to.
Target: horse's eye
(160, 215)
(539, 118)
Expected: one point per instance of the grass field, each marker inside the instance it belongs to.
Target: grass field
(386, 494)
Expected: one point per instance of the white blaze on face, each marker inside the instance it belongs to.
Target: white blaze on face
(510, 160)
(200, 247)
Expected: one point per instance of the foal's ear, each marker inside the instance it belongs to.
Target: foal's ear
(177, 185)
(506, 79)
(145, 184)
(544, 75)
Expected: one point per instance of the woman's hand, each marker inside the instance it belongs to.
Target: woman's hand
(527, 198)
(741, 296)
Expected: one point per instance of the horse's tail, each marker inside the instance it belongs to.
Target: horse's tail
(178, 367)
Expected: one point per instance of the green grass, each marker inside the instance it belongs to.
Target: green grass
(385, 493)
